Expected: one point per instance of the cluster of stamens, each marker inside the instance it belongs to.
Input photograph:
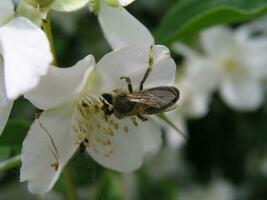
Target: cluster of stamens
(93, 128)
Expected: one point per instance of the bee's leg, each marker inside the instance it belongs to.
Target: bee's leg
(105, 108)
(149, 69)
(140, 116)
(82, 147)
(129, 83)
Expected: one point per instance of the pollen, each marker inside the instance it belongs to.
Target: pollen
(55, 166)
(108, 142)
(91, 127)
(126, 130)
(116, 126)
(95, 130)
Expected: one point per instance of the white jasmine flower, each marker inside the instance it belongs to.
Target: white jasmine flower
(24, 57)
(73, 115)
(119, 26)
(195, 93)
(231, 62)
(191, 104)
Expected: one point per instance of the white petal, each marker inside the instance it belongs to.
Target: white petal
(6, 11)
(5, 109)
(68, 5)
(185, 50)
(132, 61)
(198, 106)
(243, 94)
(164, 68)
(128, 145)
(174, 139)
(193, 101)
(37, 150)
(26, 54)
(200, 75)
(152, 139)
(121, 28)
(61, 85)
(253, 48)
(5, 103)
(126, 2)
(217, 40)
(248, 30)
(254, 58)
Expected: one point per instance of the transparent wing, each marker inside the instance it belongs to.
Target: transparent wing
(159, 97)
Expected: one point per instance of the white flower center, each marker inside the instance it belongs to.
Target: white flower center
(232, 66)
(93, 128)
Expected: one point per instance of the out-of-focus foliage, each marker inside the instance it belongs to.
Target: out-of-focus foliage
(14, 133)
(187, 17)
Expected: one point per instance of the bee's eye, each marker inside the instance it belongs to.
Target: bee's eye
(107, 97)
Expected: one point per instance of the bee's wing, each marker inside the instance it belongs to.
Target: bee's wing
(158, 97)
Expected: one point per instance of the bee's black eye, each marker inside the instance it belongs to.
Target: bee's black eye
(107, 97)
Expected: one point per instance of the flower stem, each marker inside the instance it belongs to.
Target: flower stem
(10, 163)
(168, 121)
(69, 184)
(48, 30)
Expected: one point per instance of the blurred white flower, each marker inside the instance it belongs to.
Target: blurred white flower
(194, 99)
(218, 189)
(119, 26)
(73, 115)
(24, 57)
(191, 104)
(233, 62)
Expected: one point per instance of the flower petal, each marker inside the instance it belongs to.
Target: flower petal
(61, 85)
(254, 57)
(185, 50)
(254, 47)
(200, 75)
(217, 40)
(6, 11)
(174, 139)
(164, 68)
(125, 149)
(68, 5)
(5, 103)
(26, 54)
(53, 126)
(133, 61)
(242, 94)
(194, 101)
(121, 28)
(125, 2)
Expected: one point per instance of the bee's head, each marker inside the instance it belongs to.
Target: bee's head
(107, 97)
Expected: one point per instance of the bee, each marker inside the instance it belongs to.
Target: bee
(139, 103)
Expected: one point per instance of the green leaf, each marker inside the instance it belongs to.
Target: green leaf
(109, 187)
(5, 152)
(14, 133)
(187, 17)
